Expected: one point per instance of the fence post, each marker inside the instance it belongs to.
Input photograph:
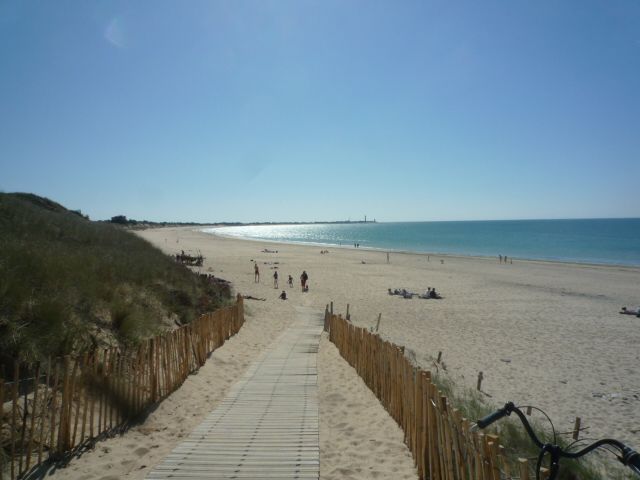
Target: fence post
(72, 437)
(1, 422)
(63, 429)
(85, 372)
(23, 433)
(504, 463)
(524, 468)
(33, 416)
(14, 414)
(52, 411)
(152, 371)
(576, 429)
(326, 318)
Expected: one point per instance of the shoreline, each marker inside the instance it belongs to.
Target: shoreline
(413, 252)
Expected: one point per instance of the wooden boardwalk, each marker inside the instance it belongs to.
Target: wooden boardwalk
(267, 426)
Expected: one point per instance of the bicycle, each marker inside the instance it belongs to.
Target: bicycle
(627, 455)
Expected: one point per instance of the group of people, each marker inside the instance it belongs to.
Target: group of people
(504, 258)
(431, 293)
(404, 293)
(304, 280)
(630, 311)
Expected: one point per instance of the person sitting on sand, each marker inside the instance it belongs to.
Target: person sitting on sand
(630, 311)
(283, 295)
(434, 294)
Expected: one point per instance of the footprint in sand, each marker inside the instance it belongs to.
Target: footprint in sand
(344, 472)
(141, 451)
(334, 398)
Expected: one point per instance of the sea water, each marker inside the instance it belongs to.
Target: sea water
(599, 241)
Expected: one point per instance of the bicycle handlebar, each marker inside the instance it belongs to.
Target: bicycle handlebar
(495, 416)
(628, 456)
(631, 459)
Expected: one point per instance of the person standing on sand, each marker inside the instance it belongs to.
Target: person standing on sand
(290, 281)
(303, 279)
(275, 279)
(256, 273)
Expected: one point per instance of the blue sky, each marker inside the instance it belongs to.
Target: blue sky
(323, 110)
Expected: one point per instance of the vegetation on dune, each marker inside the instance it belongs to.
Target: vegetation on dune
(69, 285)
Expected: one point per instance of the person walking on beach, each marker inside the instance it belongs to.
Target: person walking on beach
(256, 273)
(290, 281)
(303, 279)
(275, 279)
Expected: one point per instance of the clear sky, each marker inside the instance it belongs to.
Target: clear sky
(323, 110)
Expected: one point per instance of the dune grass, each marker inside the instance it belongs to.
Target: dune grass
(68, 284)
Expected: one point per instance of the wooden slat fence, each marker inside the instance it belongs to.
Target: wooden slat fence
(72, 401)
(438, 436)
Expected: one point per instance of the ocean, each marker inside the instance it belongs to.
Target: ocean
(595, 241)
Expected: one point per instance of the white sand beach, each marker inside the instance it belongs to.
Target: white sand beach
(546, 334)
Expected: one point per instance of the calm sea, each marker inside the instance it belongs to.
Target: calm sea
(602, 241)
